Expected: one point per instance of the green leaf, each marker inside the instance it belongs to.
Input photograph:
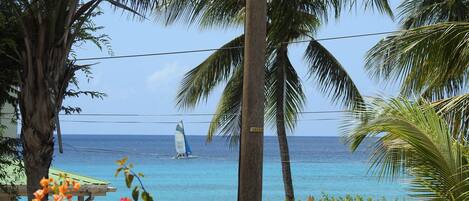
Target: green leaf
(146, 196)
(412, 140)
(141, 174)
(135, 193)
(128, 180)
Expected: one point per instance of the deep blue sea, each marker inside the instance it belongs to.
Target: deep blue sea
(319, 164)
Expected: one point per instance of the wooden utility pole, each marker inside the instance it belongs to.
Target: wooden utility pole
(252, 123)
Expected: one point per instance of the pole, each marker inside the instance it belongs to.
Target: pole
(252, 122)
(59, 134)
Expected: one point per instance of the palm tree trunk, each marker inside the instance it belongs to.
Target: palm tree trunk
(281, 131)
(37, 158)
(37, 138)
(39, 98)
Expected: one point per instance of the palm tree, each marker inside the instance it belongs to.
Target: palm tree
(455, 111)
(413, 139)
(288, 21)
(429, 56)
(49, 30)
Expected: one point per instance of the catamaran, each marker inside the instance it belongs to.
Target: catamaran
(183, 149)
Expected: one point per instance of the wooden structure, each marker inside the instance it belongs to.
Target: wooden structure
(90, 187)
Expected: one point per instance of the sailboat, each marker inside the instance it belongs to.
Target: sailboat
(183, 149)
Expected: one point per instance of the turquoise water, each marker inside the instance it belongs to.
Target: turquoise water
(319, 164)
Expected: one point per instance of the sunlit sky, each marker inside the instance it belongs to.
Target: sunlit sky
(148, 85)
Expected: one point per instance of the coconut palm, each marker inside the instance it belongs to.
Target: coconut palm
(49, 30)
(429, 56)
(455, 111)
(413, 139)
(431, 61)
(417, 13)
(288, 21)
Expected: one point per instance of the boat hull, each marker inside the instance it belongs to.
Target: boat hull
(185, 157)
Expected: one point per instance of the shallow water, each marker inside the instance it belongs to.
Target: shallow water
(319, 164)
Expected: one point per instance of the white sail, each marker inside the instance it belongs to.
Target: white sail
(179, 140)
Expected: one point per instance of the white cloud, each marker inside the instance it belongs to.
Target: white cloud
(169, 75)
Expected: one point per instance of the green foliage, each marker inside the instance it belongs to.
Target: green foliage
(431, 61)
(348, 197)
(455, 111)
(11, 166)
(429, 57)
(413, 139)
(130, 175)
(10, 41)
(420, 13)
(9, 36)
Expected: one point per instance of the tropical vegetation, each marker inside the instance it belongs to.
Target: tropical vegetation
(413, 139)
(425, 137)
(288, 22)
(348, 197)
(48, 30)
(429, 57)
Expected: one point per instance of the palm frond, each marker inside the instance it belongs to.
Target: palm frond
(426, 12)
(207, 13)
(282, 80)
(455, 110)
(332, 78)
(140, 6)
(381, 6)
(287, 22)
(431, 60)
(218, 67)
(227, 118)
(413, 139)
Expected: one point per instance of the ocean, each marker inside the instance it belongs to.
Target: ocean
(319, 165)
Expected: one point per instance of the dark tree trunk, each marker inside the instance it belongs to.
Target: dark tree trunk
(37, 113)
(36, 162)
(42, 88)
(281, 131)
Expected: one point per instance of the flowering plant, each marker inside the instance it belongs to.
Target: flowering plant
(64, 189)
(60, 190)
(130, 175)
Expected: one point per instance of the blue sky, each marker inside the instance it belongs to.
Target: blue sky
(148, 85)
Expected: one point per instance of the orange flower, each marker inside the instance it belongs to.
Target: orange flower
(76, 186)
(39, 194)
(58, 198)
(69, 197)
(125, 199)
(63, 189)
(46, 190)
(44, 182)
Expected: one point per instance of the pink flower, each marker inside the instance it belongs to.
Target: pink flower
(125, 199)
